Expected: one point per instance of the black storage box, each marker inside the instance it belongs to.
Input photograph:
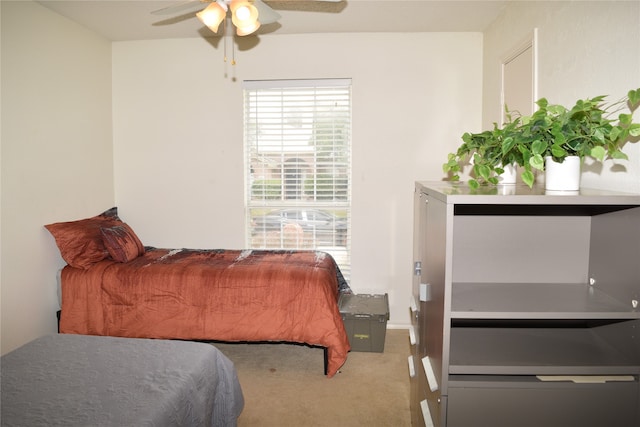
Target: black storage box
(365, 319)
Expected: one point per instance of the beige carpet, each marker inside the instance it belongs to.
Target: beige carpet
(284, 385)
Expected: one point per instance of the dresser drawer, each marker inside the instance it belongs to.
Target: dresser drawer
(523, 401)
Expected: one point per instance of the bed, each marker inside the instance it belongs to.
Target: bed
(124, 289)
(77, 380)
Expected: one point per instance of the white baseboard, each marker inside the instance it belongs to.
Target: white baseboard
(397, 326)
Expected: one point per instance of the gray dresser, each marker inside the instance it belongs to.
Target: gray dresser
(525, 307)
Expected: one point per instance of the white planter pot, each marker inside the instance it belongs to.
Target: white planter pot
(509, 176)
(563, 176)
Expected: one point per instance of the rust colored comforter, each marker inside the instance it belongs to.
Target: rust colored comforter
(225, 295)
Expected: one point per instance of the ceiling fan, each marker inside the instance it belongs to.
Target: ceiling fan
(246, 15)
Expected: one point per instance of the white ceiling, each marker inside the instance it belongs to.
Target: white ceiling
(120, 20)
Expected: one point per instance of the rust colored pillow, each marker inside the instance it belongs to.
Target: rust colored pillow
(122, 243)
(80, 242)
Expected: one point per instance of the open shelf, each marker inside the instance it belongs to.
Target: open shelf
(536, 301)
(537, 351)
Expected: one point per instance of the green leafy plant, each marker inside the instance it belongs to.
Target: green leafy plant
(482, 150)
(489, 152)
(589, 128)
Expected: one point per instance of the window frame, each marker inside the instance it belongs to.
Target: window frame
(330, 193)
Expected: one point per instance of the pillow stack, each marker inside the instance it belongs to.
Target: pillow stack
(85, 242)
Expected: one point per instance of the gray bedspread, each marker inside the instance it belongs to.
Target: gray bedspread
(79, 380)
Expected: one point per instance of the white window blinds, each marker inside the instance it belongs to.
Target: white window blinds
(298, 165)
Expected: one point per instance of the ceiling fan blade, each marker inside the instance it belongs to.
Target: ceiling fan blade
(330, 6)
(184, 7)
(266, 15)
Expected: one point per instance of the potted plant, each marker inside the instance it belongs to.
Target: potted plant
(491, 153)
(558, 134)
(552, 134)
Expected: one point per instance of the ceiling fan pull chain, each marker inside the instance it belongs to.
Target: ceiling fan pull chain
(224, 39)
(233, 50)
(226, 36)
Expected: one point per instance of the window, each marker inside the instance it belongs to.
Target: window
(298, 165)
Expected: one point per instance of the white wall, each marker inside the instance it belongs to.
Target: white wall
(57, 161)
(585, 49)
(179, 150)
(178, 180)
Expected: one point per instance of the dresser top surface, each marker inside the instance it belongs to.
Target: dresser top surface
(459, 192)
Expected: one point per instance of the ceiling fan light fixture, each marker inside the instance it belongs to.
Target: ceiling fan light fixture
(244, 16)
(247, 29)
(243, 13)
(213, 15)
